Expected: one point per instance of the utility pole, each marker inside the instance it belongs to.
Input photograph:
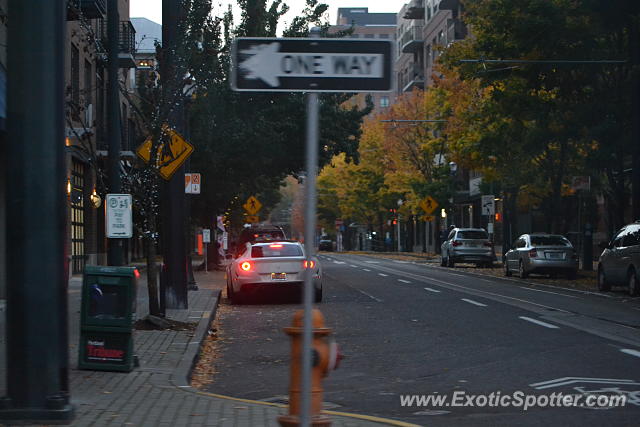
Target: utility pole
(635, 119)
(173, 236)
(36, 318)
(115, 252)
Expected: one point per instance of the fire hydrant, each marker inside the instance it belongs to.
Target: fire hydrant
(325, 358)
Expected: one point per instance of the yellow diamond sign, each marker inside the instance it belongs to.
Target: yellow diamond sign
(428, 204)
(252, 206)
(168, 159)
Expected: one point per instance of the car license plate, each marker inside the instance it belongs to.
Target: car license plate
(554, 255)
(278, 276)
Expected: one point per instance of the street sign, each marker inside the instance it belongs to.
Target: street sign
(119, 224)
(252, 206)
(428, 218)
(308, 64)
(192, 183)
(252, 219)
(488, 205)
(206, 235)
(428, 204)
(179, 150)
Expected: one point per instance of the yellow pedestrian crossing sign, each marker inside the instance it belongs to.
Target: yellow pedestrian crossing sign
(252, 206)
(428, 204)
(168, 161)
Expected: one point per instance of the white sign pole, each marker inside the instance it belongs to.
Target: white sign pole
(309, 237)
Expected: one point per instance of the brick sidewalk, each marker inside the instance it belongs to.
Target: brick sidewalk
(157, 394)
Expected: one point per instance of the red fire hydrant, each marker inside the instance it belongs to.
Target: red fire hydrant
(325, 357)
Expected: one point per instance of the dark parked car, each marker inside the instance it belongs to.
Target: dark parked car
(619, 262)
(543, 254)
(325, 245)
(467, 245)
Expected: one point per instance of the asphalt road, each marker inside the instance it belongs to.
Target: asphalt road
(420, 329)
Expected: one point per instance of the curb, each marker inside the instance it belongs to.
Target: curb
(182, 373)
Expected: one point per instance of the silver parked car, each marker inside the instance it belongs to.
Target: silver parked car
(543, 254)
(619, 263)
(270, 265)
(467, 245)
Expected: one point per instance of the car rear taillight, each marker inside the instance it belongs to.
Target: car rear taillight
(533, 253)
(136, 273)
(456, 243)
(246, 266)
(488, 244)
(308, 264)
(275, 246)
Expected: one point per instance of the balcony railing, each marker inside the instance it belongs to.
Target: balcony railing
(88, 9)
(126, 42)
(415, 10)
(412, 39)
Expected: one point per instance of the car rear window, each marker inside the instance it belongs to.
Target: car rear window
(472, 234)
(275, 250)
(549, 241)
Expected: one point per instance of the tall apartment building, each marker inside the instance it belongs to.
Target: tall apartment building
(424, 28)
(86, 143)
(368, 25)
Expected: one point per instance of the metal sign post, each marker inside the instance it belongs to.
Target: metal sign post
(304, 65)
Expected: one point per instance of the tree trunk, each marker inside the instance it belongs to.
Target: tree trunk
(152, 278)
(510, 219)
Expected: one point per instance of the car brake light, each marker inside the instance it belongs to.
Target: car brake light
(246, 266)
(136, 273)
(456, 243)
(309, 264)
(533, 253)
(275, 246)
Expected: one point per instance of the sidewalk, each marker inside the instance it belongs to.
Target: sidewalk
(157, 394)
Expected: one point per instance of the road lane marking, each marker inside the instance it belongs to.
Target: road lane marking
(549, 292)
(432, 290)
(367, 294)
(470, 301)
(635, 353)
(539, 322)
(354, 266)
(403, 281)
(372, 262)
(383, 275)
(339, 262)
(401, 262)
(366, 269)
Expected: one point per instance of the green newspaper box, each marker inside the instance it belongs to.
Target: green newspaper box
(107, 315)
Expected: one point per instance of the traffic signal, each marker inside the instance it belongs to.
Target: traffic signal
(498, 217)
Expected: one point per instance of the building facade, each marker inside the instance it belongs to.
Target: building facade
(368, 26)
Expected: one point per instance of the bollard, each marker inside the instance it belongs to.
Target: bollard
(325, 358)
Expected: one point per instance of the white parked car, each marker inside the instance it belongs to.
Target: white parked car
(264, 266)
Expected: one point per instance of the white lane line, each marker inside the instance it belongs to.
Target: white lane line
(635, 353)
(403, 281)
(549, 292)
(372, 262)
(538, 322)
(383, 275)
(432, 290)
(366, 269)
(339, 262)
(354, 266)
(470, 301)
(401, 262)
(369, 295)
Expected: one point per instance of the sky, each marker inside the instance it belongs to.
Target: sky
(152, 9)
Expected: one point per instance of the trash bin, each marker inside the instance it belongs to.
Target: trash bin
(107, 314)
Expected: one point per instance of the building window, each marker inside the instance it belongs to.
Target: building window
(369, 36)
(384, 101)
(77, 217)
(384, 36)
(75, 74)
(355, 36)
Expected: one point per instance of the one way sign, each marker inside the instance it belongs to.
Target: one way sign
(318, 65)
